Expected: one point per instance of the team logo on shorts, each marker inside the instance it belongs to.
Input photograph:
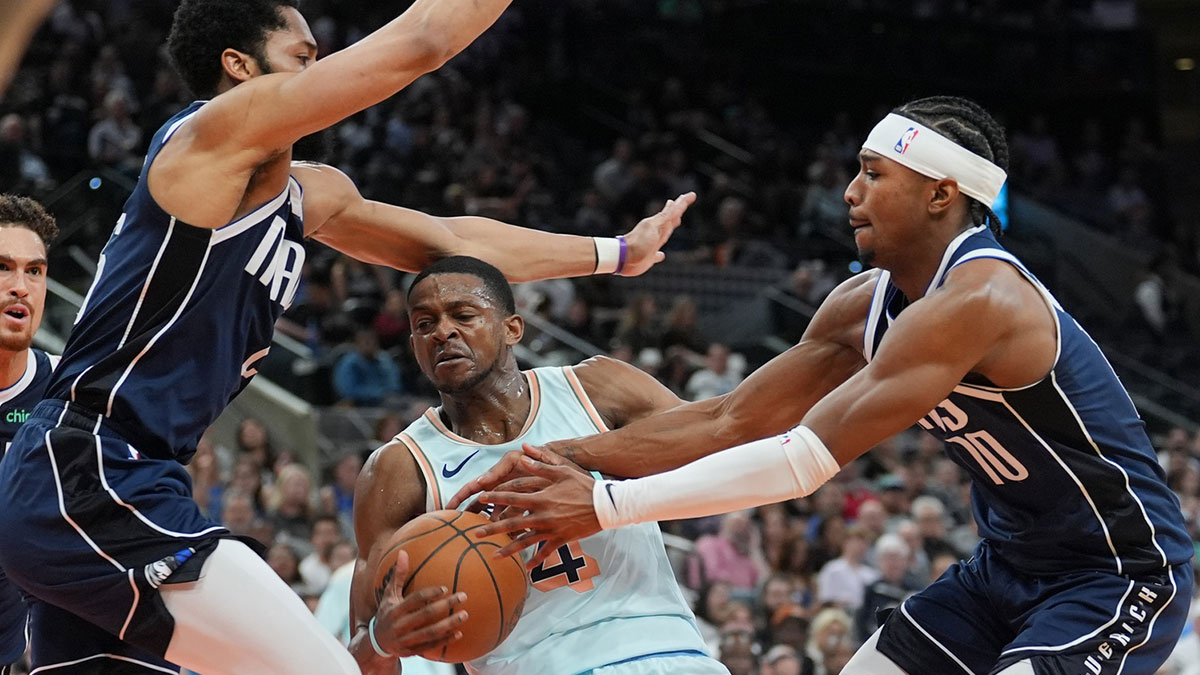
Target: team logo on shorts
(905, 140)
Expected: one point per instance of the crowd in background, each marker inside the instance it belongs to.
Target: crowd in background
(786, 589)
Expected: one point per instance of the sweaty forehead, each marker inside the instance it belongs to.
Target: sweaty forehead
(450, 288)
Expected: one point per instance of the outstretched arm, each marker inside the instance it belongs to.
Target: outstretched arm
(201, 176)
(982, 322)
(771, 400)
(409, 240)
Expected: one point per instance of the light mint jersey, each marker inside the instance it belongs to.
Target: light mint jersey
(604, 599)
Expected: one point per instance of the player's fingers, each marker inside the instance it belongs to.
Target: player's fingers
(399, 574)
(507, 525)
(522, 542)
(488, 479)
(415, 600)
(542, 454)
(540, 555)
(412, 615)
(524, 484)
(441, 632)
(544, 470)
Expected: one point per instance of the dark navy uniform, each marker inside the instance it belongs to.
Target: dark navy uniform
(1085, 564)
(99, 512)
(16, 404)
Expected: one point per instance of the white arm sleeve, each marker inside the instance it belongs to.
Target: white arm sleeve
(762, 472)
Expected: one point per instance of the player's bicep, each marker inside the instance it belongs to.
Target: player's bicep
(622, 393)
(382, 234)
(926, 353)
(389, 493)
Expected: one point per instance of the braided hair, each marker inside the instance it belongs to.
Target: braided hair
(969, 125)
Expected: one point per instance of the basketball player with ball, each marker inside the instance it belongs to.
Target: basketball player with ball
(607, 604)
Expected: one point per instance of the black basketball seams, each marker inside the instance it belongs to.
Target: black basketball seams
(471, 545)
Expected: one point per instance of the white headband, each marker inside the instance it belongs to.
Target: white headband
(931, 154)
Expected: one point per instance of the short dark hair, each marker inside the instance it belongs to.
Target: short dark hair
(969, 125)
(26, 212)
(202, 29)
(492, 278)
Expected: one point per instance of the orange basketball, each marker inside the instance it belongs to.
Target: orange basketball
(442, 552)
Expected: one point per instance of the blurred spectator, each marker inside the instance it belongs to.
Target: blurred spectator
(930, 516)
(612, 178)
(844, 580)
(391, 324)
(732, 555)
(789, 628)
(784, 660)
(114, 140)
(639, 328)
(316, 567)
(737, 653)
(830, 629)
(283, 560)
(681, 329)
(254, 443)
(712, 610)
(366, 376)
(291, 509)
(719, 375)
(891, 588)
(338, 497)
(21, 169)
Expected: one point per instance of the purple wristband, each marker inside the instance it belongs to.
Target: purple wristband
(621, 256)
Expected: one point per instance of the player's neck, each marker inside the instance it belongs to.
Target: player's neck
(915, 272)
(12, 366)
(492, 412)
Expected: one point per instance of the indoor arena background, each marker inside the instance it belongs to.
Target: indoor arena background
(583, 116)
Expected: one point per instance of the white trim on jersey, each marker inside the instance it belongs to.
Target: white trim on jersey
(178, 123)
(10, 393)
(880, 292)
(1150, 628)
(137, 598)
(1078, 483)
(115, 657)
(950, 251)
(904, 611)
(62, 506)
(149, 523)
(1128, 488)
(233, 229)
(137, 308)
(1068, 645)
(1047, 296)
(112, 395)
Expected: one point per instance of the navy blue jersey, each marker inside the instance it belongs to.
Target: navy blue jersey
(18, 401)
(179, 315)
(1063, 473)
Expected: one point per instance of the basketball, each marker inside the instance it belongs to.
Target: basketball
(441, 552)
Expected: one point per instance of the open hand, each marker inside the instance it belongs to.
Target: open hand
(508, 469)
(652, 233)
(553, 504)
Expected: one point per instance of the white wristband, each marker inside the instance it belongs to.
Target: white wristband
(610, 254)
(739, 478)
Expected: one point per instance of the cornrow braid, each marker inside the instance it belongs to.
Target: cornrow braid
(969, 125)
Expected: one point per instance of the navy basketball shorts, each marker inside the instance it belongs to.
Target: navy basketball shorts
(91, 526)
(982, 616)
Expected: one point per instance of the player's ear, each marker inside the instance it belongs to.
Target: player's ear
(514, 329)
(239, 66)
(945, 191)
